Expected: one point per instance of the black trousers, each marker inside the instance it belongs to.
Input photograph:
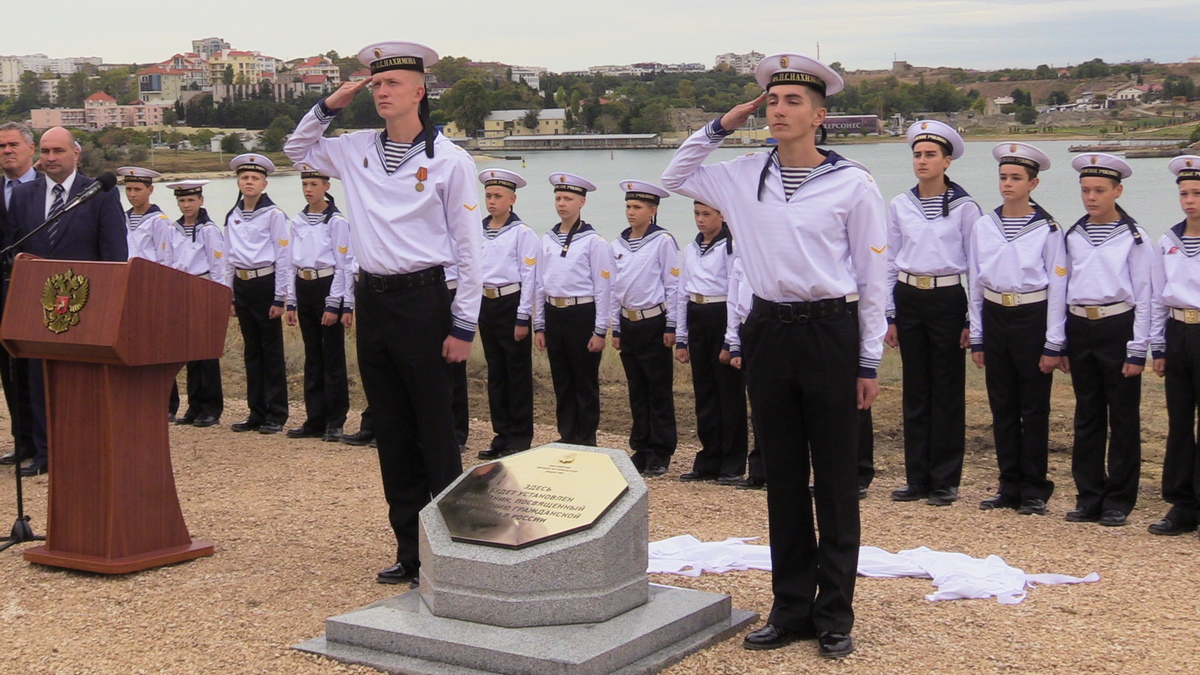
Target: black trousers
(1019, 396)
(720, 391)
(459, 403)
(509, 374)
(575, 371)
(14, 377)
(1105, 400)
(929, 325)
(650, 375)
(407, 383)
(204, 395)
(266, 373)
(1181, 466)
(802, 380)
(365, 423)
(326, 390)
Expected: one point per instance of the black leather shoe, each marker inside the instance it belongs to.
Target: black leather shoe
(186, 419)
(246, 425)
(332, 435)
(999, 502)
(301, 431)
(909, 493)
(1032, 507)
(834, 645)
(728, 480)
(944, 497)
(374, 443)
(654, 470)
(771, 636)
(358, 438)
(15, 458)
(1081, 516)
(404, 572)
(205, 421)
(696, 477)
(491, 453)
(751, 484)
(862, 492)
(1172, 525)
(171, 419)
(270, 428)
(34, 469)
(1113, 518)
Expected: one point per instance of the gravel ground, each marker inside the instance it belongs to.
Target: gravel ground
(300, 529)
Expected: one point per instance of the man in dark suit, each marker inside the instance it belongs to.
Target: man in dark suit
(93, 231)
(16, 162)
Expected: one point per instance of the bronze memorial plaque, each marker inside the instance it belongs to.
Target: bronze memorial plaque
(532, 497)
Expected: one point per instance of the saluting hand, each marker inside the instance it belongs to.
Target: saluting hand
(345, 94)
(734, 119)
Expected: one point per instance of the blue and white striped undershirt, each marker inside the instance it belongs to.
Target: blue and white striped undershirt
(1013, 226)
(314, 218)
(1098, 233)
(932, 206)
(793, 176)
(393, 154)
(1191, 245)
(136, 219)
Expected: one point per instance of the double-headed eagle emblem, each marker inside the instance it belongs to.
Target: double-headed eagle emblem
(64, 295)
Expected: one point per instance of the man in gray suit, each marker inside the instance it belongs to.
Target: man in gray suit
(16, 161)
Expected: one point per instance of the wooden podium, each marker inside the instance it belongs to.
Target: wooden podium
(112, 337)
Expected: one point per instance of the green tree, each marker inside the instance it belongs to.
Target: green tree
(227, 76)
(531, 119)
(232, 144)
(837, 68)
(686, 91)
(451, 69)
(1058, 97)
(1195, 137)
(29, 95)
(651, 119)
(467, 103)
(1026, 115)
(276, 133)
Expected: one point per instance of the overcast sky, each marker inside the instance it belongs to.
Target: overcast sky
(861, 34)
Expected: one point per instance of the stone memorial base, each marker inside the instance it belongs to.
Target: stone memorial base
(401, 635)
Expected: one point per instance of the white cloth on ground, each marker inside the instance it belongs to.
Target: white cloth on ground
(955, 575)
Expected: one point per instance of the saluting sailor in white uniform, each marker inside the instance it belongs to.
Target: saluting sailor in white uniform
(258, 268)
(196, 245)
(928, 230)
(414, 210)
(146, 225)
(644, 306)
(810, 228)
(720, 390)
(571, 309)
(1017, 271)
(1109, 257)
(1175, 341)
(510, 251)
(321, 301)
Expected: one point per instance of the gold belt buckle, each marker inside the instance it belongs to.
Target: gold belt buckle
(631, 314)
(244, 275)
(491, 293)
(1191, 316)
(924, 283)
(560, 302)
(1093, 312)
(307, 275)
(1008, 299)
(699, 299)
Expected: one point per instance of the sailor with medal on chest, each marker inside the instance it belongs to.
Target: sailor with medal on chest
(413, 207)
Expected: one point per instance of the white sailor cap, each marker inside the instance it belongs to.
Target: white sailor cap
(309, 171)
(252, 162)
(1102, 165)
(184, 188)
(1185, 167)
(136, 174)
(569, 182)
(1021, 154)
(391, 55)
(643, 191)
(502, 177)
(937, 132)
(796, 69)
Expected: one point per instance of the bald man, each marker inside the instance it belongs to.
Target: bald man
(93, 231)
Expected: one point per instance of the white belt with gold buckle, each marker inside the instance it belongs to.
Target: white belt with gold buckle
(452, 285)
(649, 313)
(312, 273)
(246, 275)
(706, 299)
(1015, 299)
(925, 282)
(493, 292)
(1094, 312)
(569, 302)
(1186, 315)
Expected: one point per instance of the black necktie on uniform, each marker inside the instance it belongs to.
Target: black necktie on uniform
(56, 208)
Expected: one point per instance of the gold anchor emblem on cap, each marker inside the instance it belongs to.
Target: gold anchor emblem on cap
(924, 125)
(562, 179)
(783, 62)
(492, 174)
(1189, 162)
(1095, 159)
(1012, 148)
(378, 52)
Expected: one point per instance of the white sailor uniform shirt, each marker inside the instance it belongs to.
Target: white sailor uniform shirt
(705, 271)
(925, 244)
(424, 214)
(1031, 261)
(827, 240)
(1117, 269)
(585, 271)
(1176, 282)
(200, 252)
(646, 272)
(737, 307)
(259, 241)
(147, 235)
(510, 257)
(323, 245)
